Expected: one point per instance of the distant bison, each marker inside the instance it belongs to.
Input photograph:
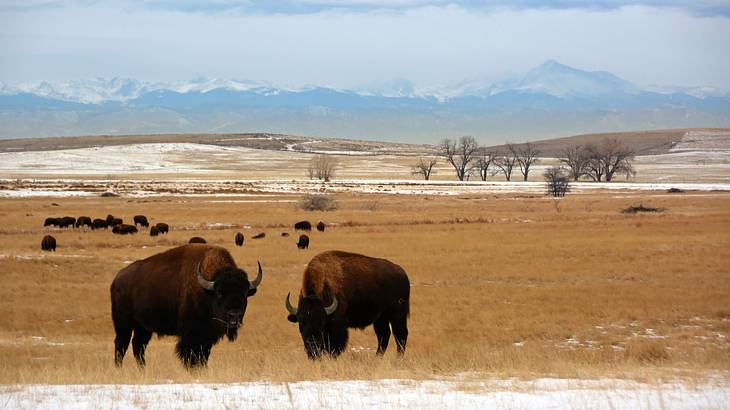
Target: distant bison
(285, 234)
(320, 226)
(83, 221)
(141, 220)
(239, 239)
(342, 290)
(51, 222)
(124, 229)
(303, 226)
(197, 239)
(48, 243)
(303, 242)
(259, 235)
(154, 231)
(66, 221)
(109, 219)
(98, 223)
(163, 227)
(116, 221)
(194, 292)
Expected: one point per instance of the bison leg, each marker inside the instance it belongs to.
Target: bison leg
(336, 341)
(382, 331)
(193, 354)
(121, 343)
(400, 332)
(142, 336)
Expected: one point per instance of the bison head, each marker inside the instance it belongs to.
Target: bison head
(228, 295)
(312, 316)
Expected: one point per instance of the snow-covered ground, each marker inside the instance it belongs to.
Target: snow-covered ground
(378, 394)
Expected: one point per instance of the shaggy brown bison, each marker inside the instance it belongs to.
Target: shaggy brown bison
(48, 243)
(109, 219)
(98, 223)
(154, 231)
(195, 292)
(342, 290)
(197, 239)
(239, 239)
(66, 221)
(303, 226)
(50, 222)
(141, 220)
(83, 221)
(116, 221)
(124, 229)
(320, 226)
(163, 227)
(303, 242)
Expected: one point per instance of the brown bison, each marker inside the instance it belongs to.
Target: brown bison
(124, 229)
(341, 290)
(259, 235)
(154, 231)
(83, 221)
(51, 222)
(197, 239)
(163, 227)
(303, 242)
(141, 220)
(285, 234)
(239, 239)
(48, 243)
(320, 226)
(109, 219)
(66, 221)
(98, 223)
(303, 226)
(195, 292)
(116, 221)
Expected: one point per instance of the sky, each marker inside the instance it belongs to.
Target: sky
(363, 43)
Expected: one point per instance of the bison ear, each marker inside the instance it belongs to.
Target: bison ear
(292, 318)
(251, 292)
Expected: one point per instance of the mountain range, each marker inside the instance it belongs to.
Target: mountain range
(551, 100)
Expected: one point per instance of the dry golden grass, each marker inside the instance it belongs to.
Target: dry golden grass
(501, 285)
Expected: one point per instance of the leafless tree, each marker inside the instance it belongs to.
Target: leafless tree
(424, 167)
(485, 160)
(558, 181)
(577, 158)
(608, 159)
(461, 154)
(506, 162)
(526, 155)
(322, 167)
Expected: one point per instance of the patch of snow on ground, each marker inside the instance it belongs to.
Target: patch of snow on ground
(432, 394)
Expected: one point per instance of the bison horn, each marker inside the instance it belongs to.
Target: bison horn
(256, 282)
(331, 309)
(289, 307)
(204, 283)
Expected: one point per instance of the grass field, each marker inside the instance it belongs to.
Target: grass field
(505, 285)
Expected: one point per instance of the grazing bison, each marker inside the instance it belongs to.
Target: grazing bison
(51, 222)
(141, 220)
(163, 227)
(109, 219)
(98, 223)
(259, 235)
(303, 226)
(197, 239)
(320, 226)
(195, 292)
(154, 231)
(66, 221)
(342, 290)
(48, 243)
(116, 221)
(285, 234)
(124, 229)
(83, 221)
(303, 242)
(239, 239)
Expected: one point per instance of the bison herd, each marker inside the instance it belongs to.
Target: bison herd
(117, 226)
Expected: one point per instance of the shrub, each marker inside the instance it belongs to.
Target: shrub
(312, 202)
(640, 208)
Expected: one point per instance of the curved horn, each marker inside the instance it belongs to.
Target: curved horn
(331, 309)
(289, 307)
(204, 283)
(256, 282)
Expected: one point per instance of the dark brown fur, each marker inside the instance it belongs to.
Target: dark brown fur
(48, 243)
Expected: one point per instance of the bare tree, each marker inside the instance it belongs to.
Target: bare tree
(526, 155)
(424, 167)
(506, 162)
(322, 167)
(460, 154)
(558, 182)
(486, 158)
(609, 158)
(577, 158)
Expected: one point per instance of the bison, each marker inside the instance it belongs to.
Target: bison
(239, 239)
(195, 292)
(163, 227)
(154, 231)
(303, 242)
(320, 226)
(109, 219)
(116, 221)
(141, 220)
(285, 234)
(48, 243)
(303, 226)
(83, 221)
(66, 221)
(259, 235)
(341, 290)
(98, 223)
(51, 222)
(197, 239)
(124, 229)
